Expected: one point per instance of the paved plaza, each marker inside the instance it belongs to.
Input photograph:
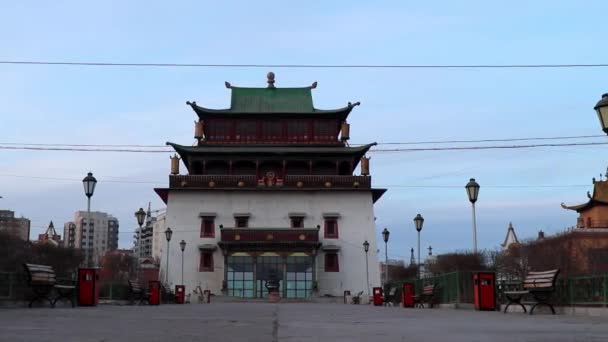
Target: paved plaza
(289, 322)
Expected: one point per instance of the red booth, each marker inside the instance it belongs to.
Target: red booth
(378, 296)
(88, 288)
(180, 294)
(484, 291)
(408, 295)
(154, 288)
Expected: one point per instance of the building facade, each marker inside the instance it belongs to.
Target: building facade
(17, 226)
(144, 237)
(96, 238)
(158, 237)
(270, 198)
(50, 236)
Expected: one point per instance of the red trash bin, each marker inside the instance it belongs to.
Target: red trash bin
(154, 289)
(378, 296)
(408, 295)
(88, 288)
(484, 291)
(180, 294)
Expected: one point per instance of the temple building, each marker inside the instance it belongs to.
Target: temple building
(270, 197)
(594, 213)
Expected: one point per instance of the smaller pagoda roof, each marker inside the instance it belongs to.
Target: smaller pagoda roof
(271, 100)
(599, 197)
(510, 238)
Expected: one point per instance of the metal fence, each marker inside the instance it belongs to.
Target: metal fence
(457, 287)
(12, 286)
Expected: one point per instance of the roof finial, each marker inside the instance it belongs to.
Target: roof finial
(510, 225)
(593, 180)
(270, 77)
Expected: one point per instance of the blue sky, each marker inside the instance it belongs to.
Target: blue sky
(98, 105)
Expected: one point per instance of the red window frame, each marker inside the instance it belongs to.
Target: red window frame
(297, 222)
(331, 262)
(328, 223)
(207, 227)
(241, 221)
(206, 262)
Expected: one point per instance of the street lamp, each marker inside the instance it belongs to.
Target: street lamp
(168, 234)
(141, 217)
(182, 246)
(418, 221)
(385, 235)
(602, 112)
(473, 191)
(366, 249)
(89, 183)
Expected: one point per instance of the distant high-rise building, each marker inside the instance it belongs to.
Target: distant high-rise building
(96, 238)
(69, 234)
(143, 243)
(158, 236)
(18, 226)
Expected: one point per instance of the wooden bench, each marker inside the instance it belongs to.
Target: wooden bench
(137, 293)
(43, 281)
(540, 285)
(390, 298)
(427, 295)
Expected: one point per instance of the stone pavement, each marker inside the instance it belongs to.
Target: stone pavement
(289, 322)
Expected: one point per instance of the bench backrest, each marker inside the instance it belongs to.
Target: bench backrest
(134, 285)
(541, 280)
(429, 290)
(40, 274)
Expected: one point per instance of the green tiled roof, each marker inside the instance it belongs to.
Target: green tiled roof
(271, 100)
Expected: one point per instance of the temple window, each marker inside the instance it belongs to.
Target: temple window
(331, 262)
(206, 262)
(208, 226)
(297, 222)
(331, 228)
(241, 220)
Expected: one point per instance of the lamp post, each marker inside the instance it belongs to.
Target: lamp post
(366, 249)
(182, 246)
(602, 112)
(418, 222)
(89, 183)
(473, 191)
(385, 235)
(141, 217)
(168, 234)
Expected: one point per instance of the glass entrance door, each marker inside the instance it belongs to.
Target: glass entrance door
(299, 277)
(239, 276)
(268, 268)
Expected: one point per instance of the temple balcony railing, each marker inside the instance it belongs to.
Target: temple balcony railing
(251, 181)
(581, 223)
(269, 235)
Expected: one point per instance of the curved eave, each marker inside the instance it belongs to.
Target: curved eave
(580, 207)
(187, 152)
(204, 113)
(163, 193)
